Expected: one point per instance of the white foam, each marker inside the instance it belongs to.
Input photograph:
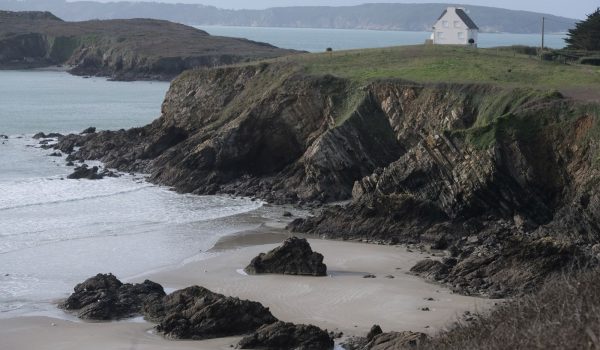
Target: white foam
(55, 233)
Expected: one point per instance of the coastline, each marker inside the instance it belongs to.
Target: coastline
(343, 301)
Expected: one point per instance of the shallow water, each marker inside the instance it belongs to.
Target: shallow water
(56, 232)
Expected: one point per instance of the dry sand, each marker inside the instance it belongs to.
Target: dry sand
(343, 301)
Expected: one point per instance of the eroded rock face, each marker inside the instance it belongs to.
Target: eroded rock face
(396, 341)
(431, 269)
(103, 297)
(197, 313)
(287, 336)
(294, 257)
(424, 164)
(377, 340)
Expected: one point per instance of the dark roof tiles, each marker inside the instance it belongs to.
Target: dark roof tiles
(465, 18)
(468, 21)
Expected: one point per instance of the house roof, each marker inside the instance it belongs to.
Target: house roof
(465, 18)
(468, 21)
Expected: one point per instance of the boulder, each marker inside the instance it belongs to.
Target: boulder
(197, 313)
(377, 340)
(85, 172)
(89, 130)
(294, 257)
(94, 173)
(396, 341)
(4, 137)
(55, 154)
(52, 135)
(103, 297)
(287, 336)
(375, 331)
(431, 269)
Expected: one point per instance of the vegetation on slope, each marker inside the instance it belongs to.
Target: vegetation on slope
(564, 314)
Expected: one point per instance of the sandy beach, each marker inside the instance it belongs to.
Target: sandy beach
(343, 301)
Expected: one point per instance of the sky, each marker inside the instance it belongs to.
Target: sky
(572, 9)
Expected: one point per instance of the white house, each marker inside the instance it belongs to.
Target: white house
(455, 27)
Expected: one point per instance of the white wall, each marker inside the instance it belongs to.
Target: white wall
(451, 30)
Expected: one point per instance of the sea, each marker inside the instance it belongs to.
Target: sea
(55, 232)
(318, 40)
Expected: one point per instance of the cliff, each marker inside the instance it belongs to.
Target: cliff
(504, 177)
(120, 49)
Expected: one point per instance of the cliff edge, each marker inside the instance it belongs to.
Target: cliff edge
(503, 177)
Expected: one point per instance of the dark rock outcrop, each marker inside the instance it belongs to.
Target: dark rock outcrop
(89, 130)
(93, 173)
(373, 332)
(197, 313)
(396, 341)
(294, 257)
(104, 297)
(503, 178)
(41, 135)
(85, 172)
(377, 340)
(430, 269)
(287, 336)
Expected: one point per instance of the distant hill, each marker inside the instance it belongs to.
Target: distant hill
(123, 49)
(410, 17)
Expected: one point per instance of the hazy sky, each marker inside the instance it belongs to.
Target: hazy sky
(567, 8)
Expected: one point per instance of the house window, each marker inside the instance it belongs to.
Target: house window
(456, 24)
(445, 24)
(461, 35)
(440, 35)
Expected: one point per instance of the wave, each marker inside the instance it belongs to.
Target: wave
(75, 199)
(36, 192)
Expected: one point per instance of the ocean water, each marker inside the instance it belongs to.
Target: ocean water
(317, 40)
(56, 232)
(51, 101)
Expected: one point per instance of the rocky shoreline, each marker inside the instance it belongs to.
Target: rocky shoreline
(510, 196)
(196, 313)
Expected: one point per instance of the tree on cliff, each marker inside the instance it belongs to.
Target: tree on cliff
(586, 34)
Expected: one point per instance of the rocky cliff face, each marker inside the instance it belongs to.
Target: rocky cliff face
(506, 179)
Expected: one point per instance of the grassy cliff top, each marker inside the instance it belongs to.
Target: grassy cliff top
(449, 64)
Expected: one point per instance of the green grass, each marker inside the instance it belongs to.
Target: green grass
(63, 48)
(434, 64)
